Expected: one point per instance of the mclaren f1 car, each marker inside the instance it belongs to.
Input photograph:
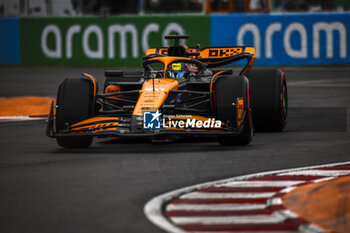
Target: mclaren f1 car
(180, 92)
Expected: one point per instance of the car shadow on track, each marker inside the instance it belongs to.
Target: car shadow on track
(145, 145)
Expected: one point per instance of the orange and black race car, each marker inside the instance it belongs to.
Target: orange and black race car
(181, 92)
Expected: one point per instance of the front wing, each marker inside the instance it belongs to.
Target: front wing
(121, 127)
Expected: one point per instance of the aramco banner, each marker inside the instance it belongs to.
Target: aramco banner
(108, 41)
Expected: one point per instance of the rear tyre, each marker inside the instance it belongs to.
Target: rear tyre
(226, 91)
(269, 99)
(74, 104)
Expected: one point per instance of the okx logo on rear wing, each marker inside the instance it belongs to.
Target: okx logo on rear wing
(213, 56)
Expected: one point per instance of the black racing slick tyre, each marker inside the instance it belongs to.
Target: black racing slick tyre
(74, 104)
(227, 90)
(269, 99)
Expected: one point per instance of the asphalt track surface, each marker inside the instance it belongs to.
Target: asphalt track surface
(104, 188)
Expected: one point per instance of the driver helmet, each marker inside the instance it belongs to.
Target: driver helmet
(177, 71)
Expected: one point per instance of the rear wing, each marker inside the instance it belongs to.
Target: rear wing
(213, 56)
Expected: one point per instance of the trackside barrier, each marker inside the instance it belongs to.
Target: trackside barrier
(288, 39)
(9, 41)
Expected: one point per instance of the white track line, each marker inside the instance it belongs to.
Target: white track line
(247, 195)
(317, 173)
(154, 208)
(244, 232)
(323, 179)
(256, 219)
(216, 207)
(287, 190)
(288, 213)
(275, 201)
(256, 184)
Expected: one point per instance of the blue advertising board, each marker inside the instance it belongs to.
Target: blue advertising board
(9, 41)
(287, 39)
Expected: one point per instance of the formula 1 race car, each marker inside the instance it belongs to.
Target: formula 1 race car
(179, 93)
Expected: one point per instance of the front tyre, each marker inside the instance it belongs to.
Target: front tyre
(74, 104)
(226, 91)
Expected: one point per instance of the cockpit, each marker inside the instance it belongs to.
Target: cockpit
(177, 69)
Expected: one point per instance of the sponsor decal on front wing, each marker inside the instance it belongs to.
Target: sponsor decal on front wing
(154, 120)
